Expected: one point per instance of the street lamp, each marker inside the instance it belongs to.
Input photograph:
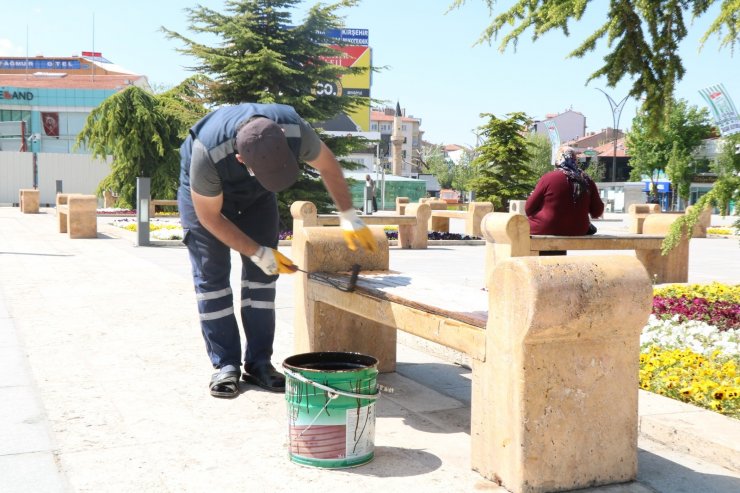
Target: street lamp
(616, 113)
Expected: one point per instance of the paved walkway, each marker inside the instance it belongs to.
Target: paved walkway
(104, 378)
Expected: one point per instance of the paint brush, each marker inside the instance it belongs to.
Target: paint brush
(353, 276)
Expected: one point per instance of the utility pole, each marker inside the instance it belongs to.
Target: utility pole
(616, 113)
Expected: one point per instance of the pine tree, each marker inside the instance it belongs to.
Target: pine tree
(265, 57)
(502, 162)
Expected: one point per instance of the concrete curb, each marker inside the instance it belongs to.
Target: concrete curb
(690, 429)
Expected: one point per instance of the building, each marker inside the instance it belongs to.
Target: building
(454, 152)
(571, 125)
(381, 120)
(595, 139)
(45, 102)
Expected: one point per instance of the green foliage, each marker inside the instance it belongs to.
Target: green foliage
(263, 56)
(540, 161)
(435, 163)
(501, 163)
(133, 128)
(186, 102)
(643, 36)
(596, 169)
(670, 147)
(464, 172)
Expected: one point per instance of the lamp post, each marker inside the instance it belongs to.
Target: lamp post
(616, 113)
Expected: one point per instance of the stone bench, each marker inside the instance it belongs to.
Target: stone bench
(440, 215)
(472, 216)
(160, 202)
(77, 215)
(639, 212)
(28, 200)
(412, 225)
(552, 341)
(508, 235)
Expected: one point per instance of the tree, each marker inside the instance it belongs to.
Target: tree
(464, 172)
(644, 38)
(186, 102)
(265, 57)
(435, 162)
(727, 168)
(670, 149)
(502, 173)
(133, 127)
(540, 161)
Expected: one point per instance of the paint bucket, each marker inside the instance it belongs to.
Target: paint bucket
(331, 408)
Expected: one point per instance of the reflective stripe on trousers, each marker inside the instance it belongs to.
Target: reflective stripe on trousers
(211, 265)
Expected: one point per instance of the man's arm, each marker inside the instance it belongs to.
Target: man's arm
(331, 173)
(356, 233)
(208, 210)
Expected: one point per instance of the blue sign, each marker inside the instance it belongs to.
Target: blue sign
(661, 186)
(357, 37)
(35, 64)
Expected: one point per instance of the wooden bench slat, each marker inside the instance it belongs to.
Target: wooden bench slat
(468, 305)
(595, 242)
(332, 220)
(450, 214)
(453, 333)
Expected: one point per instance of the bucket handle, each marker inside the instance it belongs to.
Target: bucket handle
(331, 390)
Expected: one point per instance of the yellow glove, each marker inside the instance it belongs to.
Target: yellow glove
(273, 262)
(356, 232)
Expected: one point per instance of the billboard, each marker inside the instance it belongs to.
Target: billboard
(552, 132)
(723, 109)
(354, 52)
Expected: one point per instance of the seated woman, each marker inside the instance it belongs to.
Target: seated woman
(563, 199)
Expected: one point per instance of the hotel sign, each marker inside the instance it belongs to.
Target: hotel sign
(36, 64)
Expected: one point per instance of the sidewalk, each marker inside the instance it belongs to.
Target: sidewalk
(104, 384)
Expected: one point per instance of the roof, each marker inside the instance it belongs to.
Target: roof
(110, 82)
(607, 150)
(379, 116)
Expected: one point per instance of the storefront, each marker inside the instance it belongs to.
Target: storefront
(45, 102)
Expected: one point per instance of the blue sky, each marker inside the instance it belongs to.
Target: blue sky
(433, 68)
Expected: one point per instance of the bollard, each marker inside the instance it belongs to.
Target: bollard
(143, 197)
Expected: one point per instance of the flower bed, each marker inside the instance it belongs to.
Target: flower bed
(723, 231)
(159, 229)
(690, 348)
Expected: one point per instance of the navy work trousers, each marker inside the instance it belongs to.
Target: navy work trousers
(211, 264)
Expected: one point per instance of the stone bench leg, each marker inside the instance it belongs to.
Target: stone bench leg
(638, 213)
(673, 267)
(322, 327)
(82, 219)
(506, 235)
(554, 404)
(28, 200)
(415, 236)
(476, 213)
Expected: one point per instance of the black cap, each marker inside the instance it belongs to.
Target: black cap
(263, 147)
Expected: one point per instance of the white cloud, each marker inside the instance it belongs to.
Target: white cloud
(7, 48)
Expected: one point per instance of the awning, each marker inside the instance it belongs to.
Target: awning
(662, 186)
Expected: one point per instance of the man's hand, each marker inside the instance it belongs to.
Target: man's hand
(273, 262)
(356, 232)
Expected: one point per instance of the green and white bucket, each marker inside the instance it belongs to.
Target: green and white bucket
(331, 408)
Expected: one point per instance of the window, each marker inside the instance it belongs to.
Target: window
(15, 116)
